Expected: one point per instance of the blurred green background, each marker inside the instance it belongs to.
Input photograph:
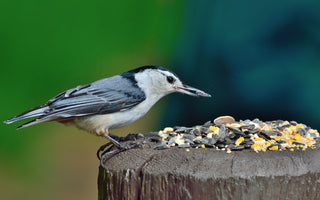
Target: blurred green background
(257, 59)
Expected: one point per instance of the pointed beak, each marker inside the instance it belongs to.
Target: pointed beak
(192, 91)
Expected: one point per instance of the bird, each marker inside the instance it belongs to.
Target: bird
(109, 103)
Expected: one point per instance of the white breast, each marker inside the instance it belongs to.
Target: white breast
(97, 123)
(149, 84)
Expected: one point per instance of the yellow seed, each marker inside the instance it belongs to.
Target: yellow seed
(212, 128)
(203, 146)
(276, 138)
(239, 141)
(266, 128)
(297, 136)
(217, 131)
(187, 150)
(235, 125)
(167, 129)
(299, 126)
(274, 148)
(199, 137)
(312, 131)
(291, 149)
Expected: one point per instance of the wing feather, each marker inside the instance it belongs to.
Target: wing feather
(105, 96)
(98, 98)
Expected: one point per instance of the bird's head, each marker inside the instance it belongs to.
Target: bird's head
(154, 80)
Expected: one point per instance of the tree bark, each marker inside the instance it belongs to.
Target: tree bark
(210, 174)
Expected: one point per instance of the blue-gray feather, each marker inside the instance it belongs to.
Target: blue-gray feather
(101, 97)
(104, 96)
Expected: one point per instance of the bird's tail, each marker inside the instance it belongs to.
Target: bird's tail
(35, 112)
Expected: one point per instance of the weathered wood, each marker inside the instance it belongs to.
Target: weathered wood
(210, 174)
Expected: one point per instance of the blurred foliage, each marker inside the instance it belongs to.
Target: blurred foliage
(257, 58)
(47, 47)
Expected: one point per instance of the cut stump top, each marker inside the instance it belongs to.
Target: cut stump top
(210, 174)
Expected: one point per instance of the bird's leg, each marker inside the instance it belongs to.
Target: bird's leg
(106, 153)
(129, 137)
(114, 142)
(120, 146)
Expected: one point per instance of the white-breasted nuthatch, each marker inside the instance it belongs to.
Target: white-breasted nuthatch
(111, 102)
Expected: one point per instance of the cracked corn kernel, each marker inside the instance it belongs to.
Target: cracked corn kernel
(167, 129)
(212, 128)
(297, 136)
(239, 141)
(196, 138)
(299, 126)
(274, 148)
(217, 131)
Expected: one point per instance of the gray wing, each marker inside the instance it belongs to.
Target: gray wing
(101, 97)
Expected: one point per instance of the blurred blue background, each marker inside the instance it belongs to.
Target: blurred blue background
(258, 59)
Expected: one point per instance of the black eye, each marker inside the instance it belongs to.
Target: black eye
(170, 79)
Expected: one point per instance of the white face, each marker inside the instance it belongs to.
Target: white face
(160, 83)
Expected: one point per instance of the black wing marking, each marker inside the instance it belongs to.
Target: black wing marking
(114, 94)
(91, 100)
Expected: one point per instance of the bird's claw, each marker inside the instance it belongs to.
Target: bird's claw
(102, 149)
(105, 154)
(117, 143)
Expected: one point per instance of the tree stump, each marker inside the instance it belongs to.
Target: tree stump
(210, 174)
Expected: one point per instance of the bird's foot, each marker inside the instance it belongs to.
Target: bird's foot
(107, 153)
(116, 141)
(102, 149)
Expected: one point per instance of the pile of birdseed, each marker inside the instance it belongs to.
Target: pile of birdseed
(224, 133)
